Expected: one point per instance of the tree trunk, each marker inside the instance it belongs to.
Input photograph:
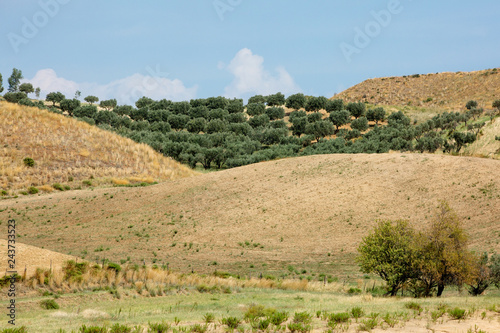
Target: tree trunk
(440, 289)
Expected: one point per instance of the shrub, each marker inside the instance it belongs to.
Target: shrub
(336, 318)
(278, 318)
(457, 313)
(93, 329)
(302, 317)
(414, 306)
(368, 324)
(115, 267)
(208, 318)
(254, 311)
(58, 186)
(162, 327)
(49, 304)
(32, 190)
(354, 291)
(117, 328)
(357, 312)
(29, 162)
(231, 322)
(87, 182)
(299, 327)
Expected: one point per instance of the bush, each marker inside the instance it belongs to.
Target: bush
(457, 313)
(357, 312)
(162, 327)
(368, 324)
(49, 304)
(231, 322)
(114, 267)
(32, 190)
(14, 97)
(277, 318)
(302, 317)
(93, 329)
(117, 328)
(29, 162)
(414, 306)
(299, 327)
(337, 318)
(58, 186)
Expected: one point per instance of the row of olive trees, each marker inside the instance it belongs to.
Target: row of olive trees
(425, 262)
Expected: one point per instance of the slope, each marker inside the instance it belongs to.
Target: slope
(449, 91)
(309, 211)
(67, 151)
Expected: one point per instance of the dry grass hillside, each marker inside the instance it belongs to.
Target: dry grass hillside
(67, 151)
(310, 212)
(449, 91)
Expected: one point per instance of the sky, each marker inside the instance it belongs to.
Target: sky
(184, 49)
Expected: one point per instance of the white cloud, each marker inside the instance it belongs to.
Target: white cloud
(250, 77)
(126, 91)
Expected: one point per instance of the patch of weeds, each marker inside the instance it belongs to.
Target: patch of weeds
(368, 324)
(390, 320)
(337, 318)
(357, 312)
(29, 162)
(435, 315)
(414, 306)
(208, 318)
(117, 328)
(457, 313)
(302, 317)
(475, 330)
(206, 289)
(278, 318)
(21, 329)
(299, 327)
(58, 187)
(87, 182)
(231, 322)
(198, 328)
(162, 327)
(354, 291)
(93, 329)
(32, 190)
(49, 304)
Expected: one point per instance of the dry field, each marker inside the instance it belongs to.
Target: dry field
(449, 91)
(67, 151)
(308, 212)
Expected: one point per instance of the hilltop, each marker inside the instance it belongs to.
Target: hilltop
(448, 91)
(67, 151)
(310, 212)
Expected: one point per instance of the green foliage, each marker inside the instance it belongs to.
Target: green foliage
(275, 113)
(54, 97)
(88, 111)
(494, 267)
(277, 318)
(320, 129)
(296, 101)
(91, 99)
(357, 312)
(257, 99)
(368, 324)
(471, 104)
(316, 103)
(114, 267)
(1, 83)
(334, 105)
(73, 270)
(277, 99)
(49, 304)
(256, 109)
(208, 318)
(360, 124)
(29, 162)
(376, 114)
(197, 328)
(496, 103)
(259, 121)
(388, 252)
(337, 318)
(231, 322)
(302, 317)
(340, 118)
(414, 306)
(32, 190)
(15, 79)
(117, 328)
(93, 329)
(299, 126)
(108, 104)
(162, 327)
(457, 313)
(21, 329)
(69, 105)
(143, 102)
(14, 97)
(356, 109)
(26, 88)
(196, 125)
(235, 106)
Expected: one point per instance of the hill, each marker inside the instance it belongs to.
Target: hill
(308, 212)
(449, 91)
(68, 151)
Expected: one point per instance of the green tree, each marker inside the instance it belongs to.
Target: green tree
(37, 92)
(320, 129)
(15, 79)
(316, 103)
(361, 124)
(256, 109)
(277, 99)
(1, 83)
(356, 109)
(388, 252)
(235, 106)
(69, 105)
(91, 99)
(494, 266)
(334, 105)
(376, 114)
(217, 102)
(26, 88)
(54, 97)
(299, 126)
(78, 93)
(471, 104)
(259, 121)
(257, 99)
(340, 118)
(196, 125)
(15, 97)
(496, 103)
(108, 104)
(462, 139)
(296, 101)
(88, 111)
(480, 280)
(215, 126)
(275, 113)
(143, 102)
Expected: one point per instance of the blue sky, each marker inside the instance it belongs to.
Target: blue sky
(238, 48)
